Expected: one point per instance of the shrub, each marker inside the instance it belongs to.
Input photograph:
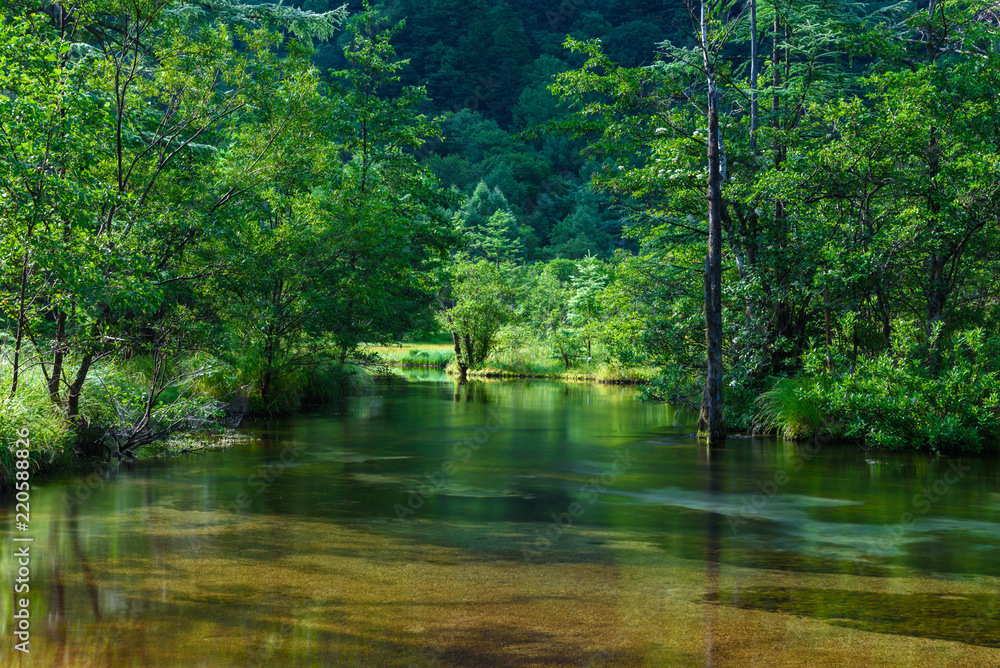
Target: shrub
(895, 401)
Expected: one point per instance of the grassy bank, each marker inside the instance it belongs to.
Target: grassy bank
(49, 433)
(205, 397)
(529, 363)
(433, 354)
(603, 373)
(889, 405)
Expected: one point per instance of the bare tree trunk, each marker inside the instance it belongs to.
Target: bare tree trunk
(460, 361)
(883, 306)
(470, 352)
(935, 289)
(784, 328)
(710, 421)
(268, 377)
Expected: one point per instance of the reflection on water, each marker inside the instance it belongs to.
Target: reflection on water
(513, 524)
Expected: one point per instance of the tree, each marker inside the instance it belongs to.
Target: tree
(584, 230)
(584, 306)
(45, 120)
(547, 308)
(710, 419)
(487, 226)
(908, 184)
(482, 303)
(308, 277)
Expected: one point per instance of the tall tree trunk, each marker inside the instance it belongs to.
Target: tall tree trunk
(469, 350)
(271, 338)
(754, 66)
(267, 378)
(462, 362)
(749, 229)
(784, 329)
(710, 421)
(463, 365)
(883, 306)
(936, 287)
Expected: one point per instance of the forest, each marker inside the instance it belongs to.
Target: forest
(784, 213)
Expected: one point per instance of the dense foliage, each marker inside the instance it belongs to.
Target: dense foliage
(181, 186)
(213, 206)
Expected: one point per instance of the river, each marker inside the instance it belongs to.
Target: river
(512, 524)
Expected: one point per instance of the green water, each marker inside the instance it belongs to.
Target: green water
(512, 524)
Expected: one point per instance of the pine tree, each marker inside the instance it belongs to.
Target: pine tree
(489, 227)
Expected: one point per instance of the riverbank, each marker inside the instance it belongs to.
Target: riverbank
(886, 403)
(442, 356)
(126, 412)
(889, 402)
(605, 374)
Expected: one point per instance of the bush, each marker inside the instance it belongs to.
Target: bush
(894, 401)
(239, 389)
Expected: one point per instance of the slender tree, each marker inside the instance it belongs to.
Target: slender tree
(710, 421)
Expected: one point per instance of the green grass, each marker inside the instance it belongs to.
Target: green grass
(437, 355)
(787, 409)
(51, 438)
(601, 373)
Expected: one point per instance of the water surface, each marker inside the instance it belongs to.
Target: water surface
(513, 524)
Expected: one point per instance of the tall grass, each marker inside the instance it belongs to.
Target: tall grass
(50, 435)
(428, 358)
(788, 409)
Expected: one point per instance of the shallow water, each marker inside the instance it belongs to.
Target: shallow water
(512, 524)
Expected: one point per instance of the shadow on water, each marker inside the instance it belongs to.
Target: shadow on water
(966, 618)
